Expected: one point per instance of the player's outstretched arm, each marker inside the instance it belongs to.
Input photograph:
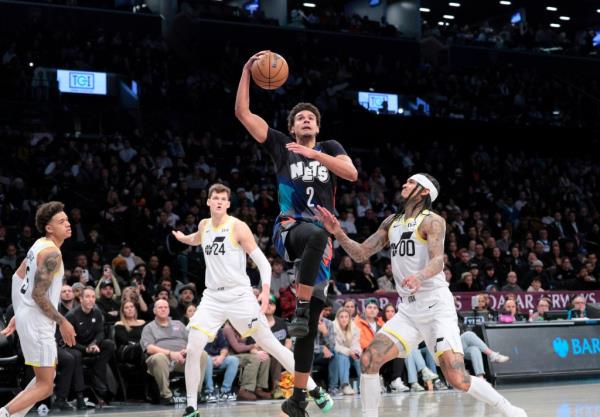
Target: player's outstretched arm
(359, 252)
(254, 124)
(47, 265)
(193, 239)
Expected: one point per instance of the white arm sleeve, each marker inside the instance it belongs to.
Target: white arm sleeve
(264, 267)
(17, 282)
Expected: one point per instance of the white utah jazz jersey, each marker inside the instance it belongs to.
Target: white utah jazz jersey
(25, 298)
(410, 255)
(225, 259)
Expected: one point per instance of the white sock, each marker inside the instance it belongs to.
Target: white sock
(196, 343)
(370, 394)
(266, 340)
(4, 412)
(483, 391)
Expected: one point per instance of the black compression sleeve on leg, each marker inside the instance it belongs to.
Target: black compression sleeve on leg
(304, 348)
(307, 241)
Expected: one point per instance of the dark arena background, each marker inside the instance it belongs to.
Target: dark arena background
(124, 111)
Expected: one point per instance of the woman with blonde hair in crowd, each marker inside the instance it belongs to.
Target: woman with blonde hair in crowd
(128, 332)
(347, 349)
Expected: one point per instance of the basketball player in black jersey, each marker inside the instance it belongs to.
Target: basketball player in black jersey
(307, 172)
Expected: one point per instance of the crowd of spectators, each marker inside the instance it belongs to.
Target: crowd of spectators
(515, 222)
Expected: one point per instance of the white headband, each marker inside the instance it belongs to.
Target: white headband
(426, 183)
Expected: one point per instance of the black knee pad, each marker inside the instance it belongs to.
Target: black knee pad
(303, 350)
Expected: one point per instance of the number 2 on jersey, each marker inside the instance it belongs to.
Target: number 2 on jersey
(310, 191)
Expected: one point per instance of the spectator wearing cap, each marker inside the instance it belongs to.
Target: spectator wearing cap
(511, 283)
(109, 276)
(280, 331)
(77, 287)
(537, 271)
(167, 283)
(186, 296)
(107, 304)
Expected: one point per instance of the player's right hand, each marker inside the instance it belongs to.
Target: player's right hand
(67, 331)
(330, 222)
(255, 57)
(10, 327)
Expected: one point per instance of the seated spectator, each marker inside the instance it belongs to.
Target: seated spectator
(473, 347)
(483, 307)
(579, 309)
(369, 324)
(189, 313)
(165, 341)
(536, 285)
(366, 281)
(279, 277)
(128, 333)
(386, 282)
(347, 349)
(346, 276)
(219, 358)
(132, 294)
(537, 271)
(91, 341)
(542, 307)
(511, 283)
(490, 277)
(254, 381)
(108, 276)
(350, 305)
(167, 284)
(280, 331)
(415, 364)
(187, 296)
(467, 283)
(131, 260)
(67, 300)
(392, 371)
(107, 304)
(510, 313)
(324, 349)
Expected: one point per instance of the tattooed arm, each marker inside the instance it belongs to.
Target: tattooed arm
(359, 252)
(433, 229)
(48, 263)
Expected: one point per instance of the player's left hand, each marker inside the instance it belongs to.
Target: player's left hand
(263, 298)
(411, 282)
(10, 327)
(301, 150)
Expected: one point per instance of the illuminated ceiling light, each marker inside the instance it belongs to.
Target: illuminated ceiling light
(505, 2)
(551, 8)
(448, 16)
(440, 23)
(564, 18)
(597, 10)
(452, 4)
(425, 9)
(554, 25)
(309, 5)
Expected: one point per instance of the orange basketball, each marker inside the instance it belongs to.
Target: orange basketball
(270, 71)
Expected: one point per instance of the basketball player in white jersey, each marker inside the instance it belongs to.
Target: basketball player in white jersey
(426, 307)
(35, 295)
(228, 295)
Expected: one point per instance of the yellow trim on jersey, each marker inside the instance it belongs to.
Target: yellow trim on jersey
(250, 332)
(210, 335)
(234, 243)
(397, 336)
(37, 365)
(202, 229)
(220, 226)
(440, 353)
(419, 237)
